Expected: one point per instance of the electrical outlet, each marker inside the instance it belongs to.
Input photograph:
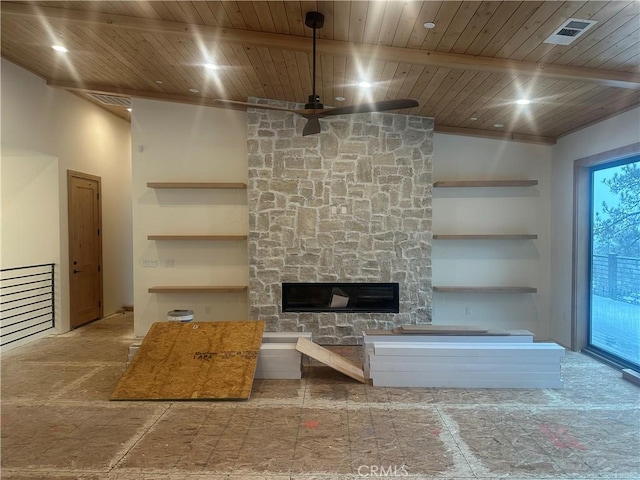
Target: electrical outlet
(467, 310)
(170, 263)
(147, 263)
(207, 310)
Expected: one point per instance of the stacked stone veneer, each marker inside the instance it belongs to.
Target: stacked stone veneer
(351, 204)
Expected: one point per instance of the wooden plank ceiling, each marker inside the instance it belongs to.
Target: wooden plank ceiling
(466, 72)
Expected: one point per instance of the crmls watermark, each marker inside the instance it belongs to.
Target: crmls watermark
(383, 471)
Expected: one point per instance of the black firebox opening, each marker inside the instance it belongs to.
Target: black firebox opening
(341, 297)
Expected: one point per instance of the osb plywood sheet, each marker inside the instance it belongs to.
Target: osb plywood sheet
(193, 361)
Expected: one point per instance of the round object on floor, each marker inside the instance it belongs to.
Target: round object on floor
(180, 315)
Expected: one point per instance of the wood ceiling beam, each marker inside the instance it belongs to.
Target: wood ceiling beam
(80, 88)
(475, 132)
(60, 17)
(130, 92)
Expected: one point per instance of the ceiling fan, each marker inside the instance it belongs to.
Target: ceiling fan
(314, 110)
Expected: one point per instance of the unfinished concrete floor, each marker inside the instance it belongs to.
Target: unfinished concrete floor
(58, 423)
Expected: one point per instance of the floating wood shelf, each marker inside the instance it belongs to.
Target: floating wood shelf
(196, 237)
(198, 289)
(222, 185)
(485, 183)
(485, 289)
(496, 236)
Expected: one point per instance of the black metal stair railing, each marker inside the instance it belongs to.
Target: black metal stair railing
(27, 301)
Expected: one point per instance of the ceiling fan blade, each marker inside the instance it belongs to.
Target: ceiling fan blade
(233, 103)
(312, 126)
(382, 106)
(307, 113)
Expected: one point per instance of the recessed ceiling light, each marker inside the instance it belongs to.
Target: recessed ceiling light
(429, 25)
(211, 66)
(194, 90)
(59, 48)
(473, 119)
(159, 82)
(498, 125)
(340, 99)
(364, 84)
(129, 109)
(523, 101)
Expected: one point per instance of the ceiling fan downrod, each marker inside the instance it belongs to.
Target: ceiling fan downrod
(314, 110)
(314, 20)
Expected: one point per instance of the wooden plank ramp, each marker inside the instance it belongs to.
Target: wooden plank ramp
(330, 359)
(194, 361)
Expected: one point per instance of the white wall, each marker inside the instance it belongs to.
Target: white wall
(184, 143)
(56, 124)
(29, 183)
(30, 227)
(489, 210)
(610, 134)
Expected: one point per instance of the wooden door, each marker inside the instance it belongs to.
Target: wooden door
(85, 248)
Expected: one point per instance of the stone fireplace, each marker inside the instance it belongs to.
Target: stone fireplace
(351, 204)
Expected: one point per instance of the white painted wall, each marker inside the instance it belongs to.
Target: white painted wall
(54, 124)
(184, 143)
(492, 210)
(616, 132)
(28, 183)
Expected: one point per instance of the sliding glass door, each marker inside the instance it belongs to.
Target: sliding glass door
(614, 326)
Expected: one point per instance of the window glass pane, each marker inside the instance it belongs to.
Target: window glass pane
(615, 261)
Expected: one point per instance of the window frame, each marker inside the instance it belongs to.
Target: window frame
(590, 348)
(580, 281)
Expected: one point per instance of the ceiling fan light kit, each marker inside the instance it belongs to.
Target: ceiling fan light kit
(314, 109)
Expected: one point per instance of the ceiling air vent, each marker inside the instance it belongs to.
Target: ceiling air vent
(569, 31)
(111, 100)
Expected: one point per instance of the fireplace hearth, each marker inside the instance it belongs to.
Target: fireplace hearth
(341, 297)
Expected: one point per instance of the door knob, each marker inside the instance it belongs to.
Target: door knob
(76, 271)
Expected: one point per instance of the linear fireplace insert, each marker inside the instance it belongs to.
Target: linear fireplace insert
(341, 297)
